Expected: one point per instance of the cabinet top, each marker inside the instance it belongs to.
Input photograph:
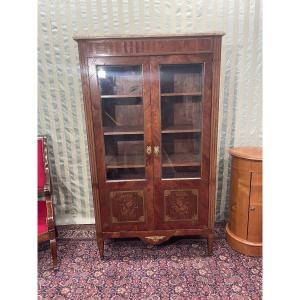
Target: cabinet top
(132, 36)
(252, 153)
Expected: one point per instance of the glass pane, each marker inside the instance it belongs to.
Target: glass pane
(124, 154)
(181, 78)
(181, 150)
(181, 172)
(120, 80)
(181, 113)
(123, 115)
(181, 120)
(122, 121)
(125, 174)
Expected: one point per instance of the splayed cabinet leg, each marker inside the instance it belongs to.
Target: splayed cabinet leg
(210, 242)
(53, 249)
(100, 243)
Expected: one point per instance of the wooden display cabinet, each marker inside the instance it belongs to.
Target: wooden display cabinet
(151, 106)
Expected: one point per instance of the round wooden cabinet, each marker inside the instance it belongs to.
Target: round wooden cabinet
(244, 229)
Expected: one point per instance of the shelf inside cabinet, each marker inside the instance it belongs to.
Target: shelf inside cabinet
(181, 160)
(120, 96)
(124, 162)
(123, 130)
(180, 94)
(180, 129)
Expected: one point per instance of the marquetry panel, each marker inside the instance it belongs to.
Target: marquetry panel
(180, 205)
(127, 206)
(146, 47)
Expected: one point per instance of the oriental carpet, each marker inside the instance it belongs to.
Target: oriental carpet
(131, 269)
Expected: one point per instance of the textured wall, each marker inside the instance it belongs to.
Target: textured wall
(60, 106)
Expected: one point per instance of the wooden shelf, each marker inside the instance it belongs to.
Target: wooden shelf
(180, 129)
(180, 94)
(125, 162)
(181, 160)
(120, 96)
(123, 130)
(180, 174)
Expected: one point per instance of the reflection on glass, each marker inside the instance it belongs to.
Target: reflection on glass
(122, 121)
(181, 120)
(120, 80)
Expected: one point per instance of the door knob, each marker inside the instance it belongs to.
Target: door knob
(148, 150)
(156, 150)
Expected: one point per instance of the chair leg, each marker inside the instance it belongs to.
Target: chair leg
(53, 249)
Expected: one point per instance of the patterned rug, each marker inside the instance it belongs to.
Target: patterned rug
(131, 269)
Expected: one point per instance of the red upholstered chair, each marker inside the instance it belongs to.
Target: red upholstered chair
(46, 218)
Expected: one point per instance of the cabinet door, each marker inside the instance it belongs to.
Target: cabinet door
(181, 109)
(120, 97)
(239, 198)
(255, 209)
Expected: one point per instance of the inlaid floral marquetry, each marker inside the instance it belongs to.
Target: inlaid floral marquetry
(127, 206)
(181, 205)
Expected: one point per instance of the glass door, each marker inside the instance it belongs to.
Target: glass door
(181, 120)
(122, 121)
(181, 109)
(121, 98)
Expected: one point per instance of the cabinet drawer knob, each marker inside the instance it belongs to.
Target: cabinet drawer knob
(252, 208)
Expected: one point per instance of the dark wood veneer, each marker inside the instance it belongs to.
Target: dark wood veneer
(147, 204)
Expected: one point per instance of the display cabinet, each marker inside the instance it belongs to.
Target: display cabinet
(151, 106)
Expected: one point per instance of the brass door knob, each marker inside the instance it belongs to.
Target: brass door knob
(148, 150)
(156, 150)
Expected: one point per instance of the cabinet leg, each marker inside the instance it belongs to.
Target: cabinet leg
(100, 243)
(53, 249)
(210, 242)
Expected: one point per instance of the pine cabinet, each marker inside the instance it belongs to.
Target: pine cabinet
(151, 107)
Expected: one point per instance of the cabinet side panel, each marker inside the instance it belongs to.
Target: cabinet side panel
(214, 128)
(90, 132)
